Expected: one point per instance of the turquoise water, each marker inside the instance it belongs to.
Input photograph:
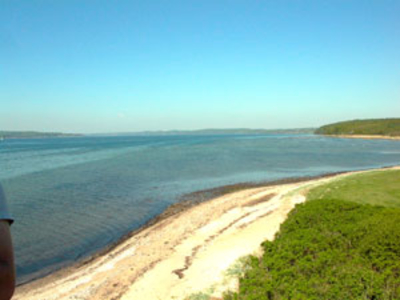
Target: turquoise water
(73, 196)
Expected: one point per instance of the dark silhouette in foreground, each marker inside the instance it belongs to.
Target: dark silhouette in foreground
(7, 269)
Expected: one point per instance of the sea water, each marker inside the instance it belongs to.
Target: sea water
(72, 197)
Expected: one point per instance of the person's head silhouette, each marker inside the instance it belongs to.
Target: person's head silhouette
(7, 269)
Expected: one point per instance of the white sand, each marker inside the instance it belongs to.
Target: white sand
(364, 136)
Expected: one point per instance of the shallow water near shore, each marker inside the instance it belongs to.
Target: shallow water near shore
(73, 196)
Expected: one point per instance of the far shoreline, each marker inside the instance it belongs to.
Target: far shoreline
(361, 136)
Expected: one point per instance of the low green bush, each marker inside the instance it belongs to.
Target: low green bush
(328, 249)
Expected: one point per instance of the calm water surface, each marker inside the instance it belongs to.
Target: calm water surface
(73, 196)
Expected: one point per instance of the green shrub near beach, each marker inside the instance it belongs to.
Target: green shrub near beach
(335, 247)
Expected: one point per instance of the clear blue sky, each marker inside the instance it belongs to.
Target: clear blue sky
(112, 66)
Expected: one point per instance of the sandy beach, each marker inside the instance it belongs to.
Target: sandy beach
(366, 137)
(184, 254)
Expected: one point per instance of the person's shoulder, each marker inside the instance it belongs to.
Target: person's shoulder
(4, 212)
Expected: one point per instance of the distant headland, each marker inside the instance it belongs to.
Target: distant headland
(33, 134)
(371, 128)
(235, 131)
(216, 131)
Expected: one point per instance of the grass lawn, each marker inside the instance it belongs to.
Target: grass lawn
(343, 245)
(376, 188)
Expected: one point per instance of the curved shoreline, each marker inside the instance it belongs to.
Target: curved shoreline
(119, 253)
(186, 202)
(361, 136)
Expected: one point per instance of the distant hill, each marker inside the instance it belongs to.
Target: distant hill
(380, 127)
(235, 131)
(33, 134)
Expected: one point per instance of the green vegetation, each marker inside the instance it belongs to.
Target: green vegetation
(388, 127)
(32, 134)
(376, 188)
(343, 245)
(200, 296)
